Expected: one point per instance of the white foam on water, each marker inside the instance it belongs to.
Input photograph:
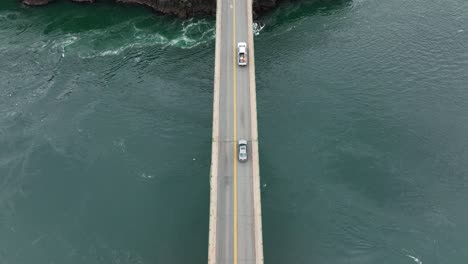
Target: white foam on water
(257, 28)
(182, 42)
(142, 41)
(116, 51)
(415, 259)
(185, 41)
(192, 33)
(65, 42)
(146, 176)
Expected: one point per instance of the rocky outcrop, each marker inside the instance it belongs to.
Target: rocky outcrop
(84, 1)
(262, 6)
(36, 2)
(180, 8)
(45, 2)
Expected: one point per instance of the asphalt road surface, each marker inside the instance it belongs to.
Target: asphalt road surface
(235, 213)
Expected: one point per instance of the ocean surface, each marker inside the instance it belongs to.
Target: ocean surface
(105, 133)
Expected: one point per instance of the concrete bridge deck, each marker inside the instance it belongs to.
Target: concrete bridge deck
(235, 211)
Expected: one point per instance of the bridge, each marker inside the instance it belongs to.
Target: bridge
(235, 231)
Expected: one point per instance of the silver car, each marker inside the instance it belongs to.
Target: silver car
(242, 150)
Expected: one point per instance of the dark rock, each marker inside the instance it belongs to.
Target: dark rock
(180, 8)
(262, 6)
(84, 1)
(36, 2)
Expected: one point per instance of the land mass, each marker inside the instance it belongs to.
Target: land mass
(180, 8)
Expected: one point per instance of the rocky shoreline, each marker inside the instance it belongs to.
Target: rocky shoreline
(180, 8)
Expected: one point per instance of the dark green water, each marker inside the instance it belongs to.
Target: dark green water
(105, 128)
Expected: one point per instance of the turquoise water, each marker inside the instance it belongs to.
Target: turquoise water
(364, 124)
(105, 133)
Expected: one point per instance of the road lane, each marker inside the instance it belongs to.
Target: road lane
(235, 219)
(246, 246)
(225, 219)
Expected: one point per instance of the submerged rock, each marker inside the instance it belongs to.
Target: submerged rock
(180, 8)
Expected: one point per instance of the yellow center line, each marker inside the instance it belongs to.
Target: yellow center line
(235, 126)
